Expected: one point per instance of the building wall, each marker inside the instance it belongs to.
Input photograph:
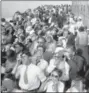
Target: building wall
(81, 8)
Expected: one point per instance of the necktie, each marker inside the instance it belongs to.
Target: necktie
(25, 76)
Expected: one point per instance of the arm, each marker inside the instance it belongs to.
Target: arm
(51, 66)
(16, 70)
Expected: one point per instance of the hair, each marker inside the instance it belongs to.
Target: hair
(79, 52)
(58, 71)
(22, 28)
(11, 55)
(40, 37)
(10, 76)
(3, 20)
(21, 45)
(26, 52)
(81, 29)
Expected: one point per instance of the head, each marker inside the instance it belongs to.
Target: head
(65, 33)
(20, 31)
(19, 47)
(11, 55)
(8, 83)
(26, 58)
(70, 51)
(53, 32)
(41, 41)
(59, 43)
(56, 74)
(40, 49)
(79, 18)
(49, 39)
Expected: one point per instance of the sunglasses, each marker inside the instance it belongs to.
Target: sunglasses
(56, 76)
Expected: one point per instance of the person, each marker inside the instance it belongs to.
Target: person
(65, 68)
(82, 43)
(87, 79)
(19, 48)
(50, 48)
(8, 83)
(40, 62)
(47, 51)
(76, 85)
(79, 22)
(54, 84)
(11, 61)
(31, 76)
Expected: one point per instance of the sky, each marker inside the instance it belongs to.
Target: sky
(10, 7)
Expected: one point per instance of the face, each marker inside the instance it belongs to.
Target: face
(40, 42)
(40, 49)
(60, 43)
(33, 37)
(25, 59)
(4, 39)
(53, 32)
(20, 32)
(28, 29)
(65, 34)
(54, 75)
(49, 39)
(18, 48)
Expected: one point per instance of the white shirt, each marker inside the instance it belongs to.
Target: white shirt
(79, 24)
(73, 89)
(42, 64)
(65, 68)
(72, 29)
(2, 70)
(49, 87)
(34, 75)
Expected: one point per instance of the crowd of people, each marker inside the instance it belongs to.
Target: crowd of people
(45, 50)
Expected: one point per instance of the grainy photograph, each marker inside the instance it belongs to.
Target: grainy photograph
(44, 46)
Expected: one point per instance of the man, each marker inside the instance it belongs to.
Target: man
(19, 48)
(50, 48)
(40, 62)
(11, 61)
(65, 68)
(79, 22)
(54, 84)
(82, 43)
(31, 76)
(39, 42)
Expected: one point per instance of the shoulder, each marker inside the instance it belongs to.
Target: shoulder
(20, 67)
(44, 61)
